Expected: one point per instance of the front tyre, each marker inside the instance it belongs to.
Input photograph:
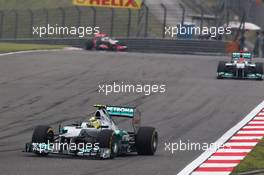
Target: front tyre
(146, 141)
(107, 139)
(221, 69)
(43, 134)
(89, 45)
(259, 70)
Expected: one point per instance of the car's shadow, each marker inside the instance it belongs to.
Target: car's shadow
(59, 156)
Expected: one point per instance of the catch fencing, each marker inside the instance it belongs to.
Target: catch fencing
(125, 23)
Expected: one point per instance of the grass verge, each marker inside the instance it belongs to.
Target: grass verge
(14, 47)
(254, 160)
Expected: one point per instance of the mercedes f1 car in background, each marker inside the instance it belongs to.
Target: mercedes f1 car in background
(99, 137)
(240, 67)
(102, 41)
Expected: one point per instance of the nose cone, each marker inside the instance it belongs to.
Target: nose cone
(241, 60)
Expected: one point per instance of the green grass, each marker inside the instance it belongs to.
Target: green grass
(33, 4)
(12, 47)
(254, 161)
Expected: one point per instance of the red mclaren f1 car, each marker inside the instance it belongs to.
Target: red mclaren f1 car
(102, 41)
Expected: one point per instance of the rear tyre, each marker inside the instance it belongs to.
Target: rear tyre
(107, 139)
(259, 69)
(146, 141)
(221, 68)
(89, 45)
(43, 134)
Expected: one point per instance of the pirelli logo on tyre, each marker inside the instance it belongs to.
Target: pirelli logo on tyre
(131, 4)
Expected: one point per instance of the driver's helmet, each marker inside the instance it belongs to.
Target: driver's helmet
(245, 49)
(95, 122)
(100, 35)
(106, 39)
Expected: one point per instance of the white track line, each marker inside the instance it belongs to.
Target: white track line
(226, 158)
(204, 156)
(260, 114)
(246, 137)
(233, 150)
(257, 122)
(219, 165)
(259, 118)
(240, 144)
(30, 51)
(250, 132)
(252, 127)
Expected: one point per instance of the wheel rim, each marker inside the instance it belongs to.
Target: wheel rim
(50, 137)
(115, 148)
(154, 144)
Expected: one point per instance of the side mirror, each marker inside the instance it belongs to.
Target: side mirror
(104, 126)
(60, 131)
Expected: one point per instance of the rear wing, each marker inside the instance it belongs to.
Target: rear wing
(245, 55)
(125, 112)
(121, 111)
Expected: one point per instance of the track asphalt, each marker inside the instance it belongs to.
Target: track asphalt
(53, 87)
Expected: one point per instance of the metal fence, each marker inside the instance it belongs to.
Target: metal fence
(249, 7)
(125, 23)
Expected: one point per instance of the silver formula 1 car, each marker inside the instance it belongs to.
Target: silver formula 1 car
(99, 137)
(240, 67)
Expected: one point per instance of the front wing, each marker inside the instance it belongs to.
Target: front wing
(240, 74)
(44, 149)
